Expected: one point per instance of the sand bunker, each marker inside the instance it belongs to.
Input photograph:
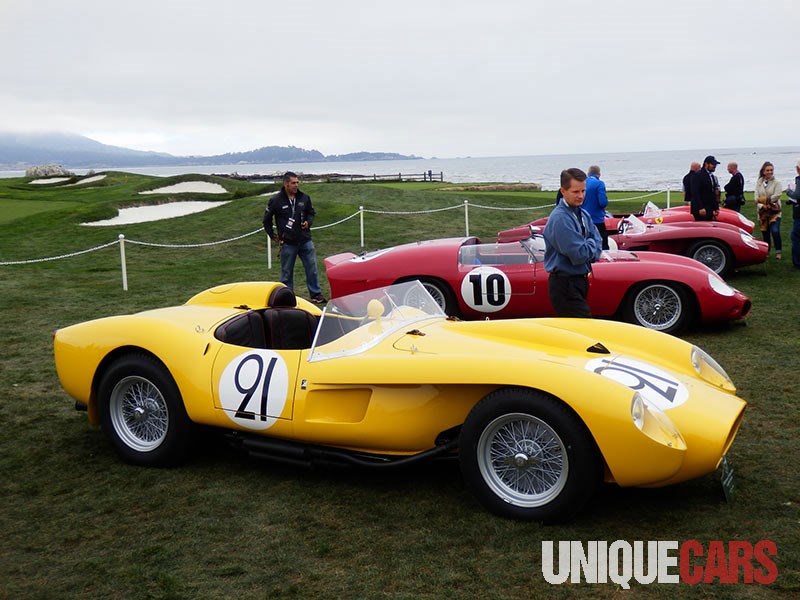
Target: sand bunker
(87, 180)
(143, 214)
(190, 187)
(50, 180)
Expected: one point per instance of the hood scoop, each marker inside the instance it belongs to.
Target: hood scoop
(598, 348)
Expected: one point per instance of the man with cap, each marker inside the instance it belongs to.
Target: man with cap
(705, 191)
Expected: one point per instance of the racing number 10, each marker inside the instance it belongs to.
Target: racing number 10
(248, 392)
(495, 289)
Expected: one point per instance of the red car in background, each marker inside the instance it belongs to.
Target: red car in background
(472, 280)
(650, 214)
(720, 246)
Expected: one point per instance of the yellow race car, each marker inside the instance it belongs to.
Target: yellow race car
(538, 411)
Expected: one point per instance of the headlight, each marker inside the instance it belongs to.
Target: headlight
(748, 239)
(718, 284)
(710, 370)
(656, 425)
(745, 221)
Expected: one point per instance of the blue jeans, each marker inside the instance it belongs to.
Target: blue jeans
(774, 230)
(308, 256)
(795, 237)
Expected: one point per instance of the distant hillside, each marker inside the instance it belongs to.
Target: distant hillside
(21, 150)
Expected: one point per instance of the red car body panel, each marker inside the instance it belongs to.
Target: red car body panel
(503, 279)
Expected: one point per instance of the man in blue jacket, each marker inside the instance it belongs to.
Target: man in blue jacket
(572, 244)
(596, 201)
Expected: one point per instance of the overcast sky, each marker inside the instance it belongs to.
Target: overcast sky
(432, 78)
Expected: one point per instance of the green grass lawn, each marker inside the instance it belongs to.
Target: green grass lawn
(79, 523)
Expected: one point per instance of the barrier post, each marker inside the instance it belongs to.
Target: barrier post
(269, 252)
(667, 196)
(361, 217)
(466, 218)
(122, 261)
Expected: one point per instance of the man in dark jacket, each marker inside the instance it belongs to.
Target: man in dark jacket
(705, 191)
(294, 215)
(734, 189)
(794, 202)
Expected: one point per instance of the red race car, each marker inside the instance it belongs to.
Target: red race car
(475, 281)
(650, 214)
(720, 246)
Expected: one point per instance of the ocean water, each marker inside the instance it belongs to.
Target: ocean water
(624, 171)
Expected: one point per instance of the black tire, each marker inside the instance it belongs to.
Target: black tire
(441, 293)
(713, 254)
(142, 413)
(525, 455)
(659, 305)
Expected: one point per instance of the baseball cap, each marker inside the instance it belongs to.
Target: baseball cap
(711, 160)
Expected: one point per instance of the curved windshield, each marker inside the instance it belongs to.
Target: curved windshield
(352, 324)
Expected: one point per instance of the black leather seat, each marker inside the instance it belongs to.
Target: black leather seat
(287, 327)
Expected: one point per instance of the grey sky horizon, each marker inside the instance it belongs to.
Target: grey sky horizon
(439, 78)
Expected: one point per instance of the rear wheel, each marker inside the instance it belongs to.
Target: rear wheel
(715, 255)
(525, 455)
(142, 413)
(660, 306)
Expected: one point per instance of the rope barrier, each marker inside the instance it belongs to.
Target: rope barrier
(361, 212)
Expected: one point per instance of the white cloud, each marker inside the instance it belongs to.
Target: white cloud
(446, 78)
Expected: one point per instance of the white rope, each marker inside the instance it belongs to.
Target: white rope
(339, 222)
(412, 212)
(70, 255)
(202, 245)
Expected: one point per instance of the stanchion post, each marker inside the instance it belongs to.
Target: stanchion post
(122, 261)
(269, 252)
(361, 217)
(466, 218)
(667, 196)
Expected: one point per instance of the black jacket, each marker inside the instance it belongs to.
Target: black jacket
(289, 217)
(703, 195)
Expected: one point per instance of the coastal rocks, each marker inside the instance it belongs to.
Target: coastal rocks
(48, 171)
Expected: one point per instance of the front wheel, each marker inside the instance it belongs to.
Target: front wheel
(659, 306)
(715, 255)
(142, 413)
(440, 292)
(526, 455)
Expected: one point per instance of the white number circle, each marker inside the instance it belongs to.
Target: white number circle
(486, 289)
(253, 388)
(657, 386)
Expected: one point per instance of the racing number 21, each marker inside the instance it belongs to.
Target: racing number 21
(495, 291)
(248, 392)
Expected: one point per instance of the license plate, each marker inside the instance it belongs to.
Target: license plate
(727, 480)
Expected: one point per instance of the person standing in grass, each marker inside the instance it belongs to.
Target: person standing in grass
(572, 244)
(596, 201)
(687, 183)
(734, 189)
(294, 214)
(705, 191)
(794, 202)
(768, 205)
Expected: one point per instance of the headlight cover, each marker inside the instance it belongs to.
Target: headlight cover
(748, 239)
(655, 424)
(718, 284)
(710, 370)
(746, 222)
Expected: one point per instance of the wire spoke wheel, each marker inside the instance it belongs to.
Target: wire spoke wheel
(658, 307)
(523, 459)
(139, 413)
(712, 255)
